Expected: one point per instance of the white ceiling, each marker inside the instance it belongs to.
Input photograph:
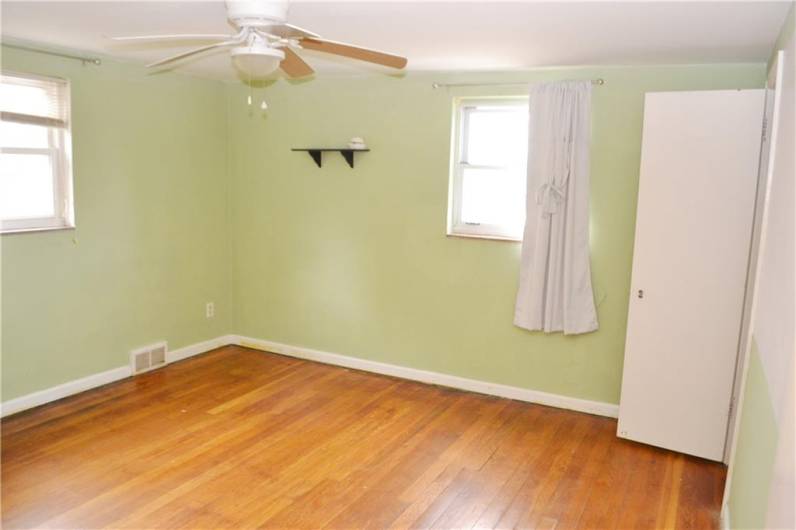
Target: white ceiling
(459, 35)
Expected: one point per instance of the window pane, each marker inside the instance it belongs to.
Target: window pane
(26, 186)
(497, 136)
(23, 135)
(494, 197)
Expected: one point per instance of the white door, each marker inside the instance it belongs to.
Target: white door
(699, 161)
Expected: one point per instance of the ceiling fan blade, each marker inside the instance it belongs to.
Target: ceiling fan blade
(156, 38)
(295, 66)
(288, 31)
(354, 52)
(192, 52)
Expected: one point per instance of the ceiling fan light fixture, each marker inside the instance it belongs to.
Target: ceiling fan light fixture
(257, 61)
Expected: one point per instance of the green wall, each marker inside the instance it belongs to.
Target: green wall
(185, 195)
(357, 261)
(753, 464)
(149, 249)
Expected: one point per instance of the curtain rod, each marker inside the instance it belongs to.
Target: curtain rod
(83, 59)
(599, 81)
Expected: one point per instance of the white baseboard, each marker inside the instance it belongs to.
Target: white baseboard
(724, 518)
(63, 390)
(200, 347)
(435, 378)
(69, 388)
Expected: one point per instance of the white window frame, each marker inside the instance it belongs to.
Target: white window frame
(455, 226)
(60, 154)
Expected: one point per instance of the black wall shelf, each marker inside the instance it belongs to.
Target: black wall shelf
(317, 153)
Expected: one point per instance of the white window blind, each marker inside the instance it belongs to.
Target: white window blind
(35, 153)
(34, 100)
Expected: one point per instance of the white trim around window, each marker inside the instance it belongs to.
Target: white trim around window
(53, 115)
(460, 162)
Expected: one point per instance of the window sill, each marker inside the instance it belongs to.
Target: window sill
(13, 231)
(505, 239)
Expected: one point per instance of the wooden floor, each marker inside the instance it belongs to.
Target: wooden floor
(243, 439)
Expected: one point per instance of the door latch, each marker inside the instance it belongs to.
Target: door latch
(641, 293)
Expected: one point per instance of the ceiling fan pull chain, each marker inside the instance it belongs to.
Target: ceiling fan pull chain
(249, 99)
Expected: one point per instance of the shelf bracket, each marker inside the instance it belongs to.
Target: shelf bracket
(348, 154)
(316, 155)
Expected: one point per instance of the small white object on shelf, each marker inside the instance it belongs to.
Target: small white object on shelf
(357, 143)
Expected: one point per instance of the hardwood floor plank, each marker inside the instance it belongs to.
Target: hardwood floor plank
(568, 501)
(553, 458)
(480, 485)
(249, 440)
(380, 501)
(542, 431)
(364, 475)
(237, 438)
(603, 507)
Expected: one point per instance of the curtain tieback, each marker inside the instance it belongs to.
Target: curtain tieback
(549, 196)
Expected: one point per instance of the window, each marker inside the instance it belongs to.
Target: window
(35, 153)
(488, 176)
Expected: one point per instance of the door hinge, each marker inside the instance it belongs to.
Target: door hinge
(765, 128)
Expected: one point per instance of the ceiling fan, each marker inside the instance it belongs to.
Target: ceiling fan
(265, 41)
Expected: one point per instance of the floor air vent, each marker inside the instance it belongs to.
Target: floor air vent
(148, 358)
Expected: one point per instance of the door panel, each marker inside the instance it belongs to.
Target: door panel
(700, 154)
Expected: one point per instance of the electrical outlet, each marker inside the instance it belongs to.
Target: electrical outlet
(210, 310)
